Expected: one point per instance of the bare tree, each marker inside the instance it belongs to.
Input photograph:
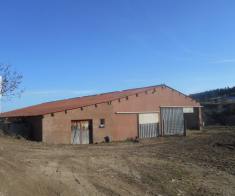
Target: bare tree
(11, 81)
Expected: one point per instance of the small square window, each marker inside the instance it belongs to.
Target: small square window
(102, 123)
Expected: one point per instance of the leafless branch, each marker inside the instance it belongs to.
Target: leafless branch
(11, 81)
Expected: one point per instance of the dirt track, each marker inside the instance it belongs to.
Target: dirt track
(202, 163)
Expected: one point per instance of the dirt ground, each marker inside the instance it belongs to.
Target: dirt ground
(203, 163)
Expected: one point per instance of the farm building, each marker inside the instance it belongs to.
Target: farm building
(142, 112)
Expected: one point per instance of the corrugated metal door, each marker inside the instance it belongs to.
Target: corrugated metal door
(148, 125)
(75, 134)
(172, 121)
(80, 132)
(84, 130)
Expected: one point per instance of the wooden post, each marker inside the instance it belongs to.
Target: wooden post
(185, 127)
(200, 120)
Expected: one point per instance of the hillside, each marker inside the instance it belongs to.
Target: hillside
(223, 95)
(219, 106)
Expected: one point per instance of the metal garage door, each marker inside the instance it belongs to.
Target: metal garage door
(80, 132)
(172, 121)
(148, 125)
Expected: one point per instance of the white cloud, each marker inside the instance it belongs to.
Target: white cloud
(223, 61)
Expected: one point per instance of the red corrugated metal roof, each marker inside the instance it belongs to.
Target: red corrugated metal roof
(69, 104)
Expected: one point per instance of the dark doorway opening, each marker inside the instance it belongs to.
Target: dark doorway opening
(192, 120)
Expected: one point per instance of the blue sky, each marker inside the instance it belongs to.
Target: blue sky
(69, 48)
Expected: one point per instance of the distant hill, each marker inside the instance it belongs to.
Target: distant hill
(219, 94)
(219, 106)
